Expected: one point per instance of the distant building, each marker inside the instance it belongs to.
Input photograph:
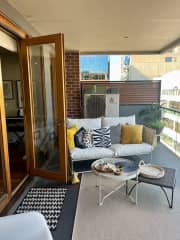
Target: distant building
(149, 67)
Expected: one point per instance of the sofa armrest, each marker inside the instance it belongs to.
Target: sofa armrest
(149, 135)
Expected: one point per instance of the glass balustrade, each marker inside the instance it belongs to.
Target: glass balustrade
(171, 133)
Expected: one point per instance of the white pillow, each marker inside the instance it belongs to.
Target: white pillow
(87, 123)
(113, 121)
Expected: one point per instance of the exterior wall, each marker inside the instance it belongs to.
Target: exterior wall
(136, 92)
(147, 67)
(72, 78)
(131, 93)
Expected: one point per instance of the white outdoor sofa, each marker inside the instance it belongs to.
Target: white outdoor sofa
(115, 150)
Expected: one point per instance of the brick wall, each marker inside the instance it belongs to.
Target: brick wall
(72, 78)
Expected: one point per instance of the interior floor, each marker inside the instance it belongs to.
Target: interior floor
(18, 169)
(17, 160)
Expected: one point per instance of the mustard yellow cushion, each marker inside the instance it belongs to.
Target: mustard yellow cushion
(131, 134)
(70, 136)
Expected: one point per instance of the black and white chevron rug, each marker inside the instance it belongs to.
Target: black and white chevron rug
(46, 200)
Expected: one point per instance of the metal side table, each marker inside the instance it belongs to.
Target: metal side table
(168, 181)
(130, 171)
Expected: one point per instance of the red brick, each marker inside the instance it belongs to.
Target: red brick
(72, 82)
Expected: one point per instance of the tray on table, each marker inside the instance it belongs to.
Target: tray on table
(151, 171)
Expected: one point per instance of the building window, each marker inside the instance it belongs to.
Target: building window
(170, 59)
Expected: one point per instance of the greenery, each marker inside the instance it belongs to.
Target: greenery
(158, 124)
(151, 117)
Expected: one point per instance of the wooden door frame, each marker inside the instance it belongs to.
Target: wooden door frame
(10, 27)
(4, 150)
(58, 39)
(17, 33)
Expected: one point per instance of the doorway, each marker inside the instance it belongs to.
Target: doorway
(32, 131)
(11, 82)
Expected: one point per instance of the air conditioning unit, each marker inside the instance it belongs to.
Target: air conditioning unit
(98, 105)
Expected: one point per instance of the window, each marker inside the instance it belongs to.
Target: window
(104, 67)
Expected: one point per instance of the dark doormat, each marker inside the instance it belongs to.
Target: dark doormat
(46, 200)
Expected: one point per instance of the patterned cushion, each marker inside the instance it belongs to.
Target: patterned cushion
(101, 137)
(88, 139)
(79, 138)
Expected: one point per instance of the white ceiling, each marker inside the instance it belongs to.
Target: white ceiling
(104, 25)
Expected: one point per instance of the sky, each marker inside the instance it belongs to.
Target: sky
(95, 63)
(99, 63)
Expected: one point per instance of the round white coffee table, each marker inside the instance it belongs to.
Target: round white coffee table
(130, 170)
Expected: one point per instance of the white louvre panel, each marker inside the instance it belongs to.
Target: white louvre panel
(8, 42)
(112, 105)
(98, 105)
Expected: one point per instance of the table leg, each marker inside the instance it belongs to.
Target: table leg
(137, 185)
(172, 197)
(170, 203)
(100, 192)
(126, 187)
(102, 198)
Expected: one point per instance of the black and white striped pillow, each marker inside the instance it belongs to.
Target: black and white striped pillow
(101, 137)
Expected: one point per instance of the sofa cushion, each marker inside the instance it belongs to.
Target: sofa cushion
(88, 138)
(112, 121)
(131, 134)
(115, 134)
(78, 138)
(70, 136)
(101, 137)
(87, 123)
(131, 149)
(78, 154)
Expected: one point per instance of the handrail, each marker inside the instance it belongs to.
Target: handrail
(170, 110)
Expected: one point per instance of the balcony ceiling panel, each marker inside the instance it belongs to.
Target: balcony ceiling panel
(105, 26)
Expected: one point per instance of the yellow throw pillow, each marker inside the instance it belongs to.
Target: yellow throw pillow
(131, 134)
(70, 136)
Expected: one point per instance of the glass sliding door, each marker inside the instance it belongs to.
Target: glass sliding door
(45, 71)
(45, 117)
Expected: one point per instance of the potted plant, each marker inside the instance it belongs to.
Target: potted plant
(151, 117)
